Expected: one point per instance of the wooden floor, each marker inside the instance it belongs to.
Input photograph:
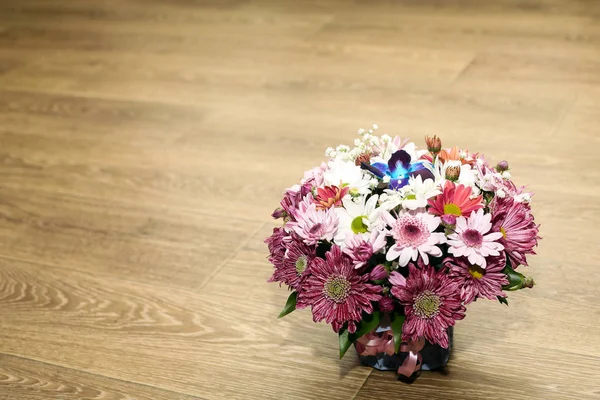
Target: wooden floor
(144, 143)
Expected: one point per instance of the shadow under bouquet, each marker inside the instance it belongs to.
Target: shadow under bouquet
(389, 243)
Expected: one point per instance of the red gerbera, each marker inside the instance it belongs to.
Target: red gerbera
(455, 201)
(431, 302)
(330, 196)
(519, 232)
(336, 292)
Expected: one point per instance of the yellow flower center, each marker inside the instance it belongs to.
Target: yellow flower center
(358, 226)
(503, 232)
(476, 271)
(452, 209)
(411, 197)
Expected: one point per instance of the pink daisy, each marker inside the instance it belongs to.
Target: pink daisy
(414, 235)
(431, 304)
(472, 240)
(361, 250)
(519, 232)
(312, 224)
(336, 292)
(296, 263)
(476, 281)
(455, 201)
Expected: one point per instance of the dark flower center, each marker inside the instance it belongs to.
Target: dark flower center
(472, 238)
(410, 231)
(427, 304)
(337, 288)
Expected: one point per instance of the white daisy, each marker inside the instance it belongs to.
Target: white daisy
(358, 216)
(417, 192)
(340, 172)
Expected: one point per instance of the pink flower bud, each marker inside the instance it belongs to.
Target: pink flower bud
(502, 166)
(386, 304)
(448, 219)
(378, 273)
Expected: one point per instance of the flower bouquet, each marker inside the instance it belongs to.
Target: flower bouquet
(389, 243)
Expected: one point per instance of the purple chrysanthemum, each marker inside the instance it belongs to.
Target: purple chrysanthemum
(295, 265)
(476, 281)
(275, 242)
(431, 302)
(519, 231)
(336, 292)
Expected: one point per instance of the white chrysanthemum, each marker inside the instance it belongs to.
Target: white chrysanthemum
(340, 172)
(358, 216)
(417, 192)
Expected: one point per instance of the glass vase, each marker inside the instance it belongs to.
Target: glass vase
(433, 356)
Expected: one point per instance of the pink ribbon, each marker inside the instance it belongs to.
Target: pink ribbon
(374, 343)
(412, 362)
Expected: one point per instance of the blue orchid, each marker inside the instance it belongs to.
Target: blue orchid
(399, 169)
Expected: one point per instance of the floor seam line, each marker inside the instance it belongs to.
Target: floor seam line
(228, 259)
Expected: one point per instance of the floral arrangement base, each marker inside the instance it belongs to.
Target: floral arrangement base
(434, 357)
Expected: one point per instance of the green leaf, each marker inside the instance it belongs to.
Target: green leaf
(397, 323)
(290, 305)
(502, 300)
(369, 323)
(345, 342)
(516, 280)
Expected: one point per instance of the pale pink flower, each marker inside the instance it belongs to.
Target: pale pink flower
(414, 235)
(472, 240)
(361, 250)
(313, 225)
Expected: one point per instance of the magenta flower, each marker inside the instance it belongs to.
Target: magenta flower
(296, 263)
(431, 304)
(386, 304)
(519, 232)
(312, 224)
(472, 240)
(478, 282)
(291, 201)
(378, 273)
(336, 292)
(275, 242)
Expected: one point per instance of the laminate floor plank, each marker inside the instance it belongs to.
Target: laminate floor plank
(144, 144)
(31, 380)
(171, 339)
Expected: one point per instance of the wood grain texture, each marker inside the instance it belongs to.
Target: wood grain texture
(143, 145)
(32, 380)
